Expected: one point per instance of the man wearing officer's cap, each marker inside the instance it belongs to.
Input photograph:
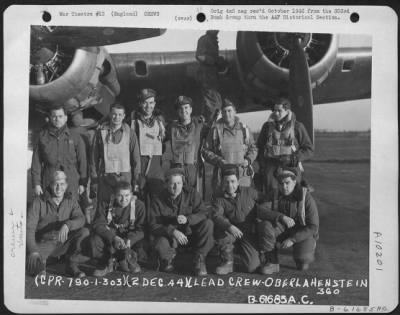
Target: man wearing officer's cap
(149, 126)
(234, 214)
(54, 227)
(230, 142)
(290, 216)
(178, 217)
(186, 135)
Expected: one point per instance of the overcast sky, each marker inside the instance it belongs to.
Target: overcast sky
(343, 116)
(351, 115)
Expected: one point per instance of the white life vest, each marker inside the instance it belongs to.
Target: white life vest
(116, 155)
(185, 147)
(233, 147)
(110, 214)
(280, 142)
(150, 141)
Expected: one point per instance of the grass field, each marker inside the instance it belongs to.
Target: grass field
(342, 146)
(340, 172)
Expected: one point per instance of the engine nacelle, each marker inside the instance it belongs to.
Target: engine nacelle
(88, 78)
(263, 60)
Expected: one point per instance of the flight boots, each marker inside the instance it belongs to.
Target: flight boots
(302, 266)
(200, 268)
(226, 265)
(73, 265)
(109, 267)
(166, 265)
(269, 262)
(129, 262)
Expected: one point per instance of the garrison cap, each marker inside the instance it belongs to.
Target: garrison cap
(146, 93)
(227, 103)
(182, 100)
(174, 171)
(229, 169)
(285, 171)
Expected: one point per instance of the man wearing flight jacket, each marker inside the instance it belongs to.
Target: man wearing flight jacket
(178, 216)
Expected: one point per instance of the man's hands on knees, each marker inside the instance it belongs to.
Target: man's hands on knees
(287, 243)
(119, 243)
(180, 237)
(288, 221)
(38, 190)
(81, 189)
(236, 232)
(35, 263)
(181, 219)
(63, 234)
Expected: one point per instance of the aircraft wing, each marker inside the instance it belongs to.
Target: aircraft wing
(258, 71)
(349, 79)
(76, 37)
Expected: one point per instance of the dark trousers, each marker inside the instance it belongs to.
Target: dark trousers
(201, 240)
(248, 245)
(244, 179)
(190, 175)
(303, 251)
(269, 181)
(192, 178)
(151, 178)
(101, 249)
(107, 184)
(53, 248)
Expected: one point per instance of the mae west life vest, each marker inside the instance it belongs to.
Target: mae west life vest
(185, 146)
(280, 142)
(116, 155)
(110, 213)
(232, 147)
(150, 141)
(300, 206)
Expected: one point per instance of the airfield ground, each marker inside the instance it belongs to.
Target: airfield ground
(340, 172)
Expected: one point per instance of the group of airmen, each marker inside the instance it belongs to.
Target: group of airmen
(108, 199)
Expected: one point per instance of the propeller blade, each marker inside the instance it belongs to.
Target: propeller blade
(300, 90)
(75, 37)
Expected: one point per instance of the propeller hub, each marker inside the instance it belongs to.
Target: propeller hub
(47, 63)
(277, 47)
(287, 40)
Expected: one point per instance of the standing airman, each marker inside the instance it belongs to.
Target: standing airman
(115, 155)
(186, 136)
(230, 142)
(283, 141)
